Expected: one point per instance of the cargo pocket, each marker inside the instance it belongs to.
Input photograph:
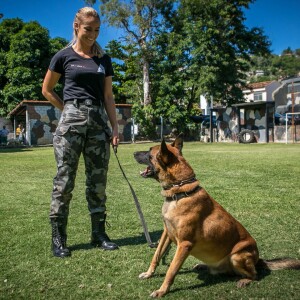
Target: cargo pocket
(62, 129)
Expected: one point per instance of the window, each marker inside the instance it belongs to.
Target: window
(294, 88)
(258, 96)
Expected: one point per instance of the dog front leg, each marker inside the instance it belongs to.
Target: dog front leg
(182, 252)
(161, 249)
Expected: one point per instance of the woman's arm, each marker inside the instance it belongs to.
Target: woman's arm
(110, 107)
(49, 83)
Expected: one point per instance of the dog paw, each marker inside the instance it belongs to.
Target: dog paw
(200, 267)
(243, 282)
(157, 294)
(145, 275)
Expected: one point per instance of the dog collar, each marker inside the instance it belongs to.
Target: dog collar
(179, 196)
(180, 183)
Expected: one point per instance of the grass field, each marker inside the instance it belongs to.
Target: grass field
(256, 183)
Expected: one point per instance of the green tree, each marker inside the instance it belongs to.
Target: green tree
(25, 53)
(204, 49)
(127, 85)
(287, 65)
(193, 47)
(139, 19)
(221, 46)
(276, 67)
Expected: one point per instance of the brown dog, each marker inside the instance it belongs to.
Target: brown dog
(197, 224)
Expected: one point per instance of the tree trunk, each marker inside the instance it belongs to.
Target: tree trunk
(146, 83)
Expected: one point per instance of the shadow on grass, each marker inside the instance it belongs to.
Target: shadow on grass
(209, 279)
(15, 149)
(127, 241)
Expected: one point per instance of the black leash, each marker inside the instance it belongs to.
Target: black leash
(137, 204)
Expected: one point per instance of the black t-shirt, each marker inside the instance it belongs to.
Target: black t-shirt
(83, 78)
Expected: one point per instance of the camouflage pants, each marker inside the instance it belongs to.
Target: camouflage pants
(81, 130)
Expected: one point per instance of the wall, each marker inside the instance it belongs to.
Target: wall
(124, 121)
(43, 121)
(9, 127)
(227, 123)
(250, 97)
(293, 134)
(255, 120)
(250, 118)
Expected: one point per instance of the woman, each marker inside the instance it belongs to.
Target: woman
(87, 102)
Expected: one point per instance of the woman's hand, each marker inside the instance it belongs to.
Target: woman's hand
(115, 137)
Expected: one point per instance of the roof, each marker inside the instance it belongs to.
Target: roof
(291, 80)
(20, 108)
(258, 85)
(254, 104)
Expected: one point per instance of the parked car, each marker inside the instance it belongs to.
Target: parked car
(198, 119)
(280, 119)
(206, 122)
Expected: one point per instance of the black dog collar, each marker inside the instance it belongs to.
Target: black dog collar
(179, 196)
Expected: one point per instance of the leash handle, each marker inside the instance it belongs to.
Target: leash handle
(137, 204)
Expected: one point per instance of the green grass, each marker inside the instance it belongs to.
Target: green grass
(257, 183)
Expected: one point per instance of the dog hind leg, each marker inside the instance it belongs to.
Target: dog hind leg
(162, 247)
(243, 264)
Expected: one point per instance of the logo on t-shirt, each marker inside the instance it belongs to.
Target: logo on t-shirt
(101, 69)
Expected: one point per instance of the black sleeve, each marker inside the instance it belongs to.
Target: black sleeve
(109, 68)
(57, 63)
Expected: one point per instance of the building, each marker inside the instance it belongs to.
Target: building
(287, 96)
(40, 119)
(260, 91)
(257, 113)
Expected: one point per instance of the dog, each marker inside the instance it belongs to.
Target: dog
(197, 224)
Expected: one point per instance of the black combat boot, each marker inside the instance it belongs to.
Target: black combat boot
(59, 237)
(99, 237)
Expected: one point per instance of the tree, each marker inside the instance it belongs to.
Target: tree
(140, 20)
(191, 47)
(204, 49)
(25, 53)
(221, 46)
(287, 65)
(127, 85)
(276, 67)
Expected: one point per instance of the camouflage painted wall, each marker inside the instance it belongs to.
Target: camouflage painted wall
(43, 121)
(124, 121)
(255, 120)
(227, 124)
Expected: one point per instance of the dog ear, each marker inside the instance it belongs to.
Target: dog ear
(178, 143)
(164, 155)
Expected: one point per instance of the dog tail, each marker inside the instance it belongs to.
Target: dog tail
(279, 264)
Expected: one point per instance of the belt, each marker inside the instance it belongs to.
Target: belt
(87, 102)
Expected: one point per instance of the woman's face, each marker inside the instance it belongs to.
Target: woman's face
(88, 30)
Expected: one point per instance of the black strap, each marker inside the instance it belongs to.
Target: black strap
(137, 204)
(178, 196)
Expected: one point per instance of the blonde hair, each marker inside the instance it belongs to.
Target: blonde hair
(83, 13)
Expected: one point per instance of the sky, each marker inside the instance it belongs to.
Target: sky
(279, 19)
